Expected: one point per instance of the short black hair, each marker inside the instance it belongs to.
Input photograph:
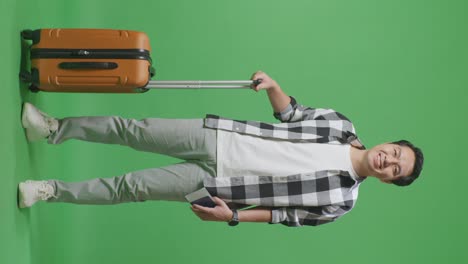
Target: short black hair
(418, 164)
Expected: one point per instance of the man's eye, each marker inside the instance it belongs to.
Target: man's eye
(395, 152)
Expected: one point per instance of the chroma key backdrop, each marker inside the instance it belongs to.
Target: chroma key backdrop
(397, 69)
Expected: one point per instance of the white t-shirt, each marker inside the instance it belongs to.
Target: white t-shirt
(246, 155)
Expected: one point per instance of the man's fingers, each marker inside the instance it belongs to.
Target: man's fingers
(202, 209)
(255, 75)
(261, 86)
(201, 215)
(218, 201)
(257, 87)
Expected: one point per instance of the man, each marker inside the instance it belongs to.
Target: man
(303, 171)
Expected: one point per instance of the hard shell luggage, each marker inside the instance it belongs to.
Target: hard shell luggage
(99, 61)
(88, 60)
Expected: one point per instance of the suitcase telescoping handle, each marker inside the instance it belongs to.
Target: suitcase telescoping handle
(202, 84)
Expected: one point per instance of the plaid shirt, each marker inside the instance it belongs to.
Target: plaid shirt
(312, 198)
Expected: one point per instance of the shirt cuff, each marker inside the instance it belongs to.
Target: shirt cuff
(286, 112)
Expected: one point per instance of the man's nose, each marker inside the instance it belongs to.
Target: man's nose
(390, 160)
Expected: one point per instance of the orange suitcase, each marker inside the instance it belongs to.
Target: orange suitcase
(88, 60)
(99, 61)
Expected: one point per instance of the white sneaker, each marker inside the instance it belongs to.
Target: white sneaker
(31, 192)
(38, 125)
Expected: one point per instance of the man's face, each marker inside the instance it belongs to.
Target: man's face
(389, 162)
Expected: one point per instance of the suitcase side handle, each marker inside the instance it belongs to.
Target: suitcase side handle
(88, 65)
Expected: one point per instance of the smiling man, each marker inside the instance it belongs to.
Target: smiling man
(305, 170)
(389, 162)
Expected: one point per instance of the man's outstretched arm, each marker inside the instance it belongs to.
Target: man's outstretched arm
(278, 99)
(222, 213)
(286, 109)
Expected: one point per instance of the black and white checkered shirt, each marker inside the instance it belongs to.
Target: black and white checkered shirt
(312, 198)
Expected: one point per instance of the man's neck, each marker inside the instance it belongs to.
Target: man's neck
(358, 160)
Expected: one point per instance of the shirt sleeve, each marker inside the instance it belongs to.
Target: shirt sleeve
(295, 112)
(311, 216)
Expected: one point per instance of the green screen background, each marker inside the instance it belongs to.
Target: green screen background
(397, 69)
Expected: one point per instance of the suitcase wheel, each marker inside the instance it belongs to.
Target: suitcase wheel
(25, 77)
(27, 34)
(33, 88)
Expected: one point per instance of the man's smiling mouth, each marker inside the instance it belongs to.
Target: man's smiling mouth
(379, 161)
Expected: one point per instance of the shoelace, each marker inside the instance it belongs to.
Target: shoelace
(45, 191)
(51, 124)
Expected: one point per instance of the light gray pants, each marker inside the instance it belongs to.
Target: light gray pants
(180, 138)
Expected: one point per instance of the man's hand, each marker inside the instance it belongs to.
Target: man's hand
(267, 82)
(219, 213)
(278, 99)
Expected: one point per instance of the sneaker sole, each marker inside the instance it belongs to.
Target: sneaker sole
(24, 115)
(21, 196)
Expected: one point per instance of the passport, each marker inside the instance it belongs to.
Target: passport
(201, 197)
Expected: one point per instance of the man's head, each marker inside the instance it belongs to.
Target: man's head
(399, 162)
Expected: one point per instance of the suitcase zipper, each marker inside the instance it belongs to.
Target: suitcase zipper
(138, 54)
